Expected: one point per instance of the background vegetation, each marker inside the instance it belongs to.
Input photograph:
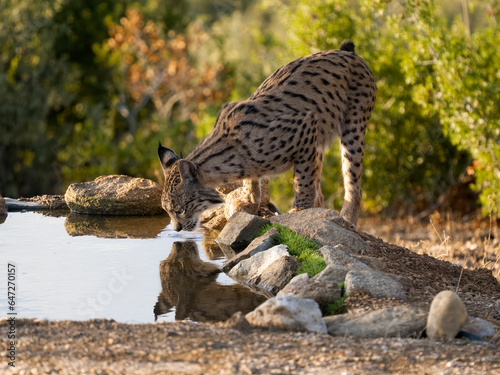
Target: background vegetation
(88, 87)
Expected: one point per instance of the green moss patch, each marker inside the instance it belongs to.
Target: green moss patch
(303, 248)
(339, 306)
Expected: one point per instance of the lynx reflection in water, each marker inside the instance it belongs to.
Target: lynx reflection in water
(189, 284)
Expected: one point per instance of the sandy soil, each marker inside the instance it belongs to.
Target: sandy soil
(104, 347)
(107, 347)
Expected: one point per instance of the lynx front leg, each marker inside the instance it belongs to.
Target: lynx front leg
(306, 182)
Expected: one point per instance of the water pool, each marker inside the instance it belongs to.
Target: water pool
(130, 269)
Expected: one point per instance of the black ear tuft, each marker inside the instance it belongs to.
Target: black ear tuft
(347, 45)
(167, 156)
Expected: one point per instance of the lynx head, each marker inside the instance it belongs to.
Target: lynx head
(184, 197)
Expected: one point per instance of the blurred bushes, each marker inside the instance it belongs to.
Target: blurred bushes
(90, 87)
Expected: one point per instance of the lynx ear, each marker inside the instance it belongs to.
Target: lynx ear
(188, 170)
(167, 157)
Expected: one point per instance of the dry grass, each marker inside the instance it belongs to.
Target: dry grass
(471, 242)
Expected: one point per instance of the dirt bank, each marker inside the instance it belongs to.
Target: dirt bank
(105, 347)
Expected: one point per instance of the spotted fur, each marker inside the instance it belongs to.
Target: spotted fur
(289, 121)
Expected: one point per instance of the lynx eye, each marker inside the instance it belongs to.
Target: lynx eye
(181, 211)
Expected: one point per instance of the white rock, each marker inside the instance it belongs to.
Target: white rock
(479, 327)
(288, 313)
(257, 263)
(446, 317)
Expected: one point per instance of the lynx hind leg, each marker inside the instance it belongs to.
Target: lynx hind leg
(245, 198)
(307, 169)
(352, 148)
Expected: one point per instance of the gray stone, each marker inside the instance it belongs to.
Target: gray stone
(14, 205)
(309, 215)
(240, 230)
(446, 317)
(479, 327)
(214, 218)
(323, 226)
(3, 206)
(374, 284)
(277, 275)
(322, 291)
(336, 255)
(400, 321)
(333, 273)
(270, 270)
(115, 195)
(259, 244)
(372, 262)
(288, 313)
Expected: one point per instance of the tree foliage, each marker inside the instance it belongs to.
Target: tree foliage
(90, 87)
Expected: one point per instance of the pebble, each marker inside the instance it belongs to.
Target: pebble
(446, 316)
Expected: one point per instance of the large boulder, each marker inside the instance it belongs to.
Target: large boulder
(240, 230)
(288, 313)
(400, 321)
(269, 270)
(447, 315)
(323, 226)
(115, 195)
(323, 291)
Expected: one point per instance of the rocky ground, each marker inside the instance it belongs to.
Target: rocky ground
(107, 347)
(104, 347)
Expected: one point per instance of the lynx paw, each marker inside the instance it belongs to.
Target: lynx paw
(295, 209)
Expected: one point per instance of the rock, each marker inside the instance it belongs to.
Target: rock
(214, 218)
(333, 273)
(322, 291)
(399, 321)
(3, 206)
(238, 322)
(240, 230)
(262, 243)
(288, 313)
(237, 197)
(115, 195)
(374, 284)
(372, 262)
(479, 327)
(270, 270)
(277, 275)
(323, 226)
(48, 202)
(446, 317)
(339, 257)
(309, 215)
(15, 205)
